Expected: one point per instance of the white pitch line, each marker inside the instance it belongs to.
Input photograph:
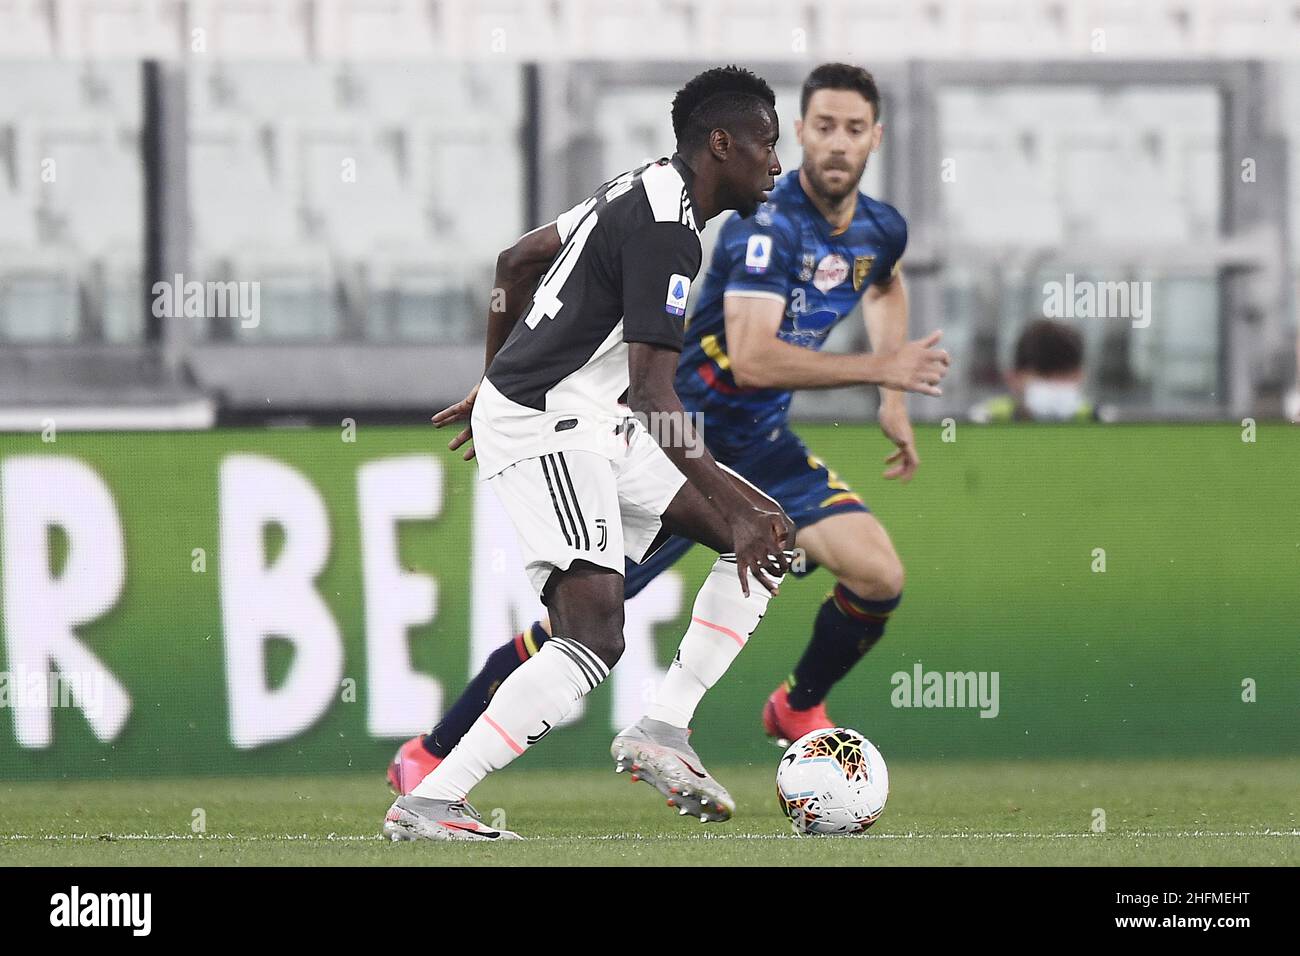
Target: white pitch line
(362, 838)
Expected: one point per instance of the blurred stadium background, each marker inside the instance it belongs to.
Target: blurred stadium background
(363, 161)
(144, 139)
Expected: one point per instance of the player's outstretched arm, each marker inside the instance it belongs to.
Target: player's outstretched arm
(759, 359)
(519, 269)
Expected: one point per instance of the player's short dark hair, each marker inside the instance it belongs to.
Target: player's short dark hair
(841, 76)
(1049, 348)
(718, 98)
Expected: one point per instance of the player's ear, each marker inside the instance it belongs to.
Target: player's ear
(720, 143)
(877, 133)
(798, 131)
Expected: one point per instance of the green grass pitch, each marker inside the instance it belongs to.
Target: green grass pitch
(1170, 812)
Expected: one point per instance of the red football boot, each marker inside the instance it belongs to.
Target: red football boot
(786, 724)
(410, 765)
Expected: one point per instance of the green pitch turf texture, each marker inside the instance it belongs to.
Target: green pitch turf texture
(1167, 812)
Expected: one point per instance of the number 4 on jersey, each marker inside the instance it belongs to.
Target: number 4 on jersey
(546, 300)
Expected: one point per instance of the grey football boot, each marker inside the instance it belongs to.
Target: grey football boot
(660, 754)
(418, 818)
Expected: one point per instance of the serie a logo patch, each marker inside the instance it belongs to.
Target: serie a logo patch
(679, 287)
(758, 253)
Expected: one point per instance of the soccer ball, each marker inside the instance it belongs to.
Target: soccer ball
(832, 781)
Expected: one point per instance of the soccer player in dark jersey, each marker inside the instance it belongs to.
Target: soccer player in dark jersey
(586, 487)
(779, 281)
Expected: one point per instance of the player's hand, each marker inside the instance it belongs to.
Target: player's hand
(760, 541)
(898, 429)
(916, 366)
(459, 412)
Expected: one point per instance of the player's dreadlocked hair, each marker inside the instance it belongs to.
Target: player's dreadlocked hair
(716, 99)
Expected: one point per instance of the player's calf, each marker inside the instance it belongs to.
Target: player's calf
(847, 626)
(855, 547)
(655, 748)
(543, 690)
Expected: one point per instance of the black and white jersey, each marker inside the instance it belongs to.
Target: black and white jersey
(623, 274)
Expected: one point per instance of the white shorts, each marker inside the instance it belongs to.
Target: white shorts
(576, 505)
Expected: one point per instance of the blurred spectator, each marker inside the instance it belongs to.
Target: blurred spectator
(1046, 381)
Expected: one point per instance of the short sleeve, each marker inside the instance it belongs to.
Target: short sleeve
(659, 262)
(757, 257)
(566, 220)
(895, 227)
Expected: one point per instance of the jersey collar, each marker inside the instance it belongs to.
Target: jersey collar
(688, 179)
(822, 224)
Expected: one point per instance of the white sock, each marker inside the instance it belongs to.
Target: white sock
(537, 696)
(721, 622)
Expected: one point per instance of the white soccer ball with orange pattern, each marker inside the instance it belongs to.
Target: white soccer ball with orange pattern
(832, 781)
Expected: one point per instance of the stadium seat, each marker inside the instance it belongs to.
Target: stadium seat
(24, 30)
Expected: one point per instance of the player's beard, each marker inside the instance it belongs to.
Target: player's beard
(831, 194)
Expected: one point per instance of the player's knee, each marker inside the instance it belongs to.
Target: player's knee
(892, 577)
(602, 628)
(879, 581)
